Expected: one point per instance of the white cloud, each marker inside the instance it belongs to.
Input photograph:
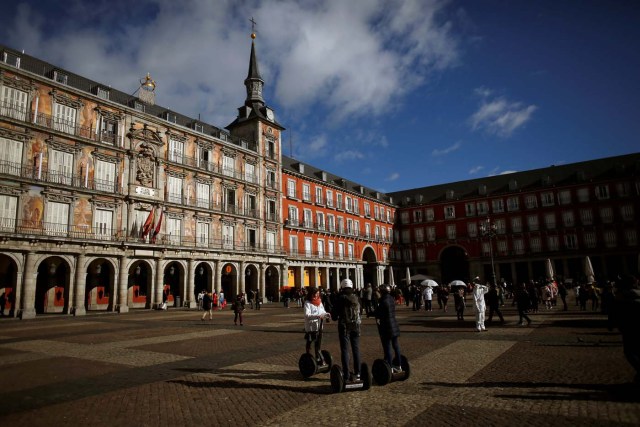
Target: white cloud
(447, 150)
(499, 116)
(394, 176)
(348, 155)
(475, 170)
(483, 91)
(354, 58)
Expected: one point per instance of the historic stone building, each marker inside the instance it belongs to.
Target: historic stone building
(110, 202)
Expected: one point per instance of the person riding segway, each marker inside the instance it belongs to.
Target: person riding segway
(386, 370)
(346, 311)
(314, 315)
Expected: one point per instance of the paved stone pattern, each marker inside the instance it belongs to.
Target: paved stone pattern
(150, 368)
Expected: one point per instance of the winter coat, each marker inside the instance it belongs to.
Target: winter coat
(386, 315)
(345, 297)
(312, 316)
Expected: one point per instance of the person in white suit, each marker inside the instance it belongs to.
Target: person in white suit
(478, 298)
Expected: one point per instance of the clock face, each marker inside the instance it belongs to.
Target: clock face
(269, 114)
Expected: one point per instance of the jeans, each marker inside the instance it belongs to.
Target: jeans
(387, 343)
(347, 338)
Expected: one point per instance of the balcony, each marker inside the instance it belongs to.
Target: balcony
(55, 177)
(27, 229)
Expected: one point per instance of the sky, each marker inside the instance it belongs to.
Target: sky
(391, 94)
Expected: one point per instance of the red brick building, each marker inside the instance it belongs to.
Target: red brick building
(562, 213)
(333, 228)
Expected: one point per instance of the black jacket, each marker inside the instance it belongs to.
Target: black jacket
(386, 315)
(345, 297)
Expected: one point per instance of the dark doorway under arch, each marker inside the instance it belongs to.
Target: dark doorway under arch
(369, 273)
(454, 264)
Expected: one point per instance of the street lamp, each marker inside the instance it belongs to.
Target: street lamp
(490, 230)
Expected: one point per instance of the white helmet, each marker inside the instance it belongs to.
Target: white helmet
(346, 283)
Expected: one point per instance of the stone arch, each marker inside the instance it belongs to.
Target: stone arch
(9, 268)
(173, 283)
(53, 285)
(229, 280)
(272, 283)
(251, 278)
(139, 284)
(100, 292)
(454, 264)
(202, 278)
(369, 269)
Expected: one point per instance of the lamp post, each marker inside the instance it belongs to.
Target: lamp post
(489, 230)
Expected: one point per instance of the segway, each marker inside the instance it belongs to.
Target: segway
(339, 385)
(383, 374)
(308, 364)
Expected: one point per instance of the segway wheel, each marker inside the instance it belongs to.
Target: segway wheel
(337, 382)
(406, 367)
(365, 376)
(381, 372)
(307, 365)
(327, 357)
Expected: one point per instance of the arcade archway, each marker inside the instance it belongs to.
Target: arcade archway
(98, 292)
(139, 286)
(454, 264)
(52, 286)
(8, 284)
(173, 284)
(272, 284)
(369, 270)
(229, 281)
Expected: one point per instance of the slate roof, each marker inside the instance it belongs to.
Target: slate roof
(531, 180)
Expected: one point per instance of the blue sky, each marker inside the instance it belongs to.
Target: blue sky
(391, 94)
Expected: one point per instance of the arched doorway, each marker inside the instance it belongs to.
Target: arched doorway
(202, 279)
(52, 286)
(172, 284)
(229, 281)
(454, 264)
(251, 279)
(139, 286)
(272, 284)
(8, 284)
(99, 291)
(369, 271)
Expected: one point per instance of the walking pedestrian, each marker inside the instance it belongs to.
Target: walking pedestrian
(238, 308)
(207, 306)
(493, 301)
(478, 298)
(427, 294)
(458, 300)
(523, 303)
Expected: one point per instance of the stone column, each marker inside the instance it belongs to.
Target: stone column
(157, 302)
(189, 297)
(241, 278)
(27, 307)
(123, 286)
(284, 275)
(80, 286)
(217, 274)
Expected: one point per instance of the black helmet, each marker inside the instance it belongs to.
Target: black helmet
(385, 289)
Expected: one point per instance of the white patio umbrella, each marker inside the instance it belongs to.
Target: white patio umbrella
(391, 279)
(456, 283)
(549, 269)
(588, 270)
(408, 279)
(430, 283)
(420, 277)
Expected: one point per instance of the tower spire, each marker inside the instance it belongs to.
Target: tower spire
(253, 82)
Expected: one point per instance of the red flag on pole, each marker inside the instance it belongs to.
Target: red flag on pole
(157, 229)
(148, 224)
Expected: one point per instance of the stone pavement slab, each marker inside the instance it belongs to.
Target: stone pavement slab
(170, 368)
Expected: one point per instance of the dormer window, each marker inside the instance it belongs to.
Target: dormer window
(11, 59)
(102, 92)
(170, 117)
(138, 106)
(198, 127)
(60, 77)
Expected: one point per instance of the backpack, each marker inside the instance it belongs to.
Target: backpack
(351, 314)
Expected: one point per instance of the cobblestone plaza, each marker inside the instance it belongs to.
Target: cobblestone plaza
(169, 368)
